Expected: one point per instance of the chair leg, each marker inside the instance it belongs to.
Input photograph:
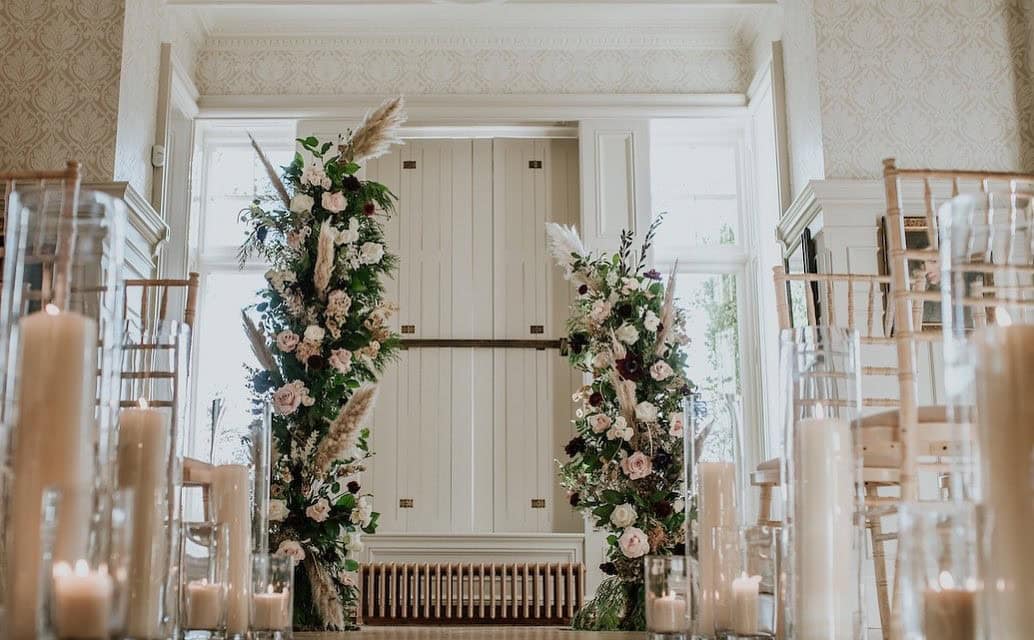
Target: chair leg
(879, 567)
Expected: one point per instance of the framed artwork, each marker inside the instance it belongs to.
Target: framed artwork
(802, 259)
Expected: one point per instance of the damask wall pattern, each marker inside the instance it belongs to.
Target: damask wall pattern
(288, 66)
(803, 110)
(59, 84)
(935, 83)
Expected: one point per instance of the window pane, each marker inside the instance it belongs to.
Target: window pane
(235, 177)
(223, 351)
(697, 184)
(710, 304)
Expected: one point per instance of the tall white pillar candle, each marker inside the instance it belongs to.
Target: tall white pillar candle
(230, 493)
(1005, 410)
(745, 604)
(81, 606)
(716, 508)
(53, 447)
(824, 552)
(667, 614)
(143, 455)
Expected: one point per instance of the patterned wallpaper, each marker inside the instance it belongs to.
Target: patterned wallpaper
(234, 66)
(59, 84)
(934, 83)
(803, 111)
(138, 94)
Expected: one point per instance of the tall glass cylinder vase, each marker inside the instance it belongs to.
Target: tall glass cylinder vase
(60, 336)
(714, 483)
(261, 459)
(150, 462)
(988, 279)
(823, 527)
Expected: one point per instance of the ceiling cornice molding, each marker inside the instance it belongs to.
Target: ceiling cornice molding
(462, 39)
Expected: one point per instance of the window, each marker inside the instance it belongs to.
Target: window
(230, 177)
(696, 179)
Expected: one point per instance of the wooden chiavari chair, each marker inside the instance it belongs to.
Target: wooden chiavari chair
(67, 179)
(927, 436)
(855, 302)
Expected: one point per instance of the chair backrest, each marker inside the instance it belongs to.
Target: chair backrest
(914, 269)
(68, 179)
(849, 300)
(156, 292)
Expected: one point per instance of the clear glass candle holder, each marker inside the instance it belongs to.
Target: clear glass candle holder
(754, 591)
(713, 487)
(86, 539)
(272, 596)
(60, 350)
(939, 581)
(824, 526)
(204, 564)
(668, 597)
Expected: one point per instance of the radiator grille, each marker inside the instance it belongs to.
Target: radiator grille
(465, 593)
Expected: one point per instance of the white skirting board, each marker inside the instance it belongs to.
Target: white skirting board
(476, 548)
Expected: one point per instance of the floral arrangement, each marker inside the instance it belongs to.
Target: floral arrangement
(328, 339)
(625, 470)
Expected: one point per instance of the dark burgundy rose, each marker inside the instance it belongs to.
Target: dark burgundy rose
(575, 446)
(575, 499)
(369, 208)
(680, 549)
(584, 289)
(609, 568)
(630, 367)
(663, 509)
(353, 487)
(578, 342)
(686, 390)
(624, 310)
(350, 183)
(653, 274)
(661, 460)
(596, 399)
(316, 363)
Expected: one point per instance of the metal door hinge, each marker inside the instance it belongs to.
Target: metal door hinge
(537, 328)
(409, 328)
(409, 164)
(538, 503)
(405, 503)
(534, 164)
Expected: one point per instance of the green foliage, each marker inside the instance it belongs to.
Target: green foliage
(326, 344)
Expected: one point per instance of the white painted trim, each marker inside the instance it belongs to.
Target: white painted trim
(185, 94)
(481, 109)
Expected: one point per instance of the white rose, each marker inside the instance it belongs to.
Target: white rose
(600, 311)
(601, 360)
(287, 398)
(302, 203)
(612, 278)
(314, 333)
(291, 549)
(599, 422)
(634, 543)
(341, 360)
(286, 341)
(661, 370)
(679, 505)
(278, 510)
(363, 512)
(646, 412)
(675, 424)
(334, 202)
(629, 285)
(316, 176)
(624, 515)
(318, 512)
(355, 543)
(627, 333)
(620, 430)
(371, 253)
(349, 235)
(651, 321)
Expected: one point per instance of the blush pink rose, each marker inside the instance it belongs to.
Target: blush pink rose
(636, 466)
(599, 422)
(340, 360)
(291, 549)
(287, 398)
(660, 371)
(318, 512)
(286, 341)
(334, 201)
(634, 543)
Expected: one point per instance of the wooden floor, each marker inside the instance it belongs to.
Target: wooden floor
(468, 633)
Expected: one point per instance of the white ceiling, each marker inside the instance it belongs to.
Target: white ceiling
(627, 23)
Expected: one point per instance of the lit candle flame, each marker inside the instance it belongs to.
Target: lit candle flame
(1002, 318)
(820, 411)
(61, 569)
(947, 582)
(81, 568)
(142, 403)
(269, 588)
(52, 309)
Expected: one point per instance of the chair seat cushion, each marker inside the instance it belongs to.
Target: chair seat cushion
(891, 418)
